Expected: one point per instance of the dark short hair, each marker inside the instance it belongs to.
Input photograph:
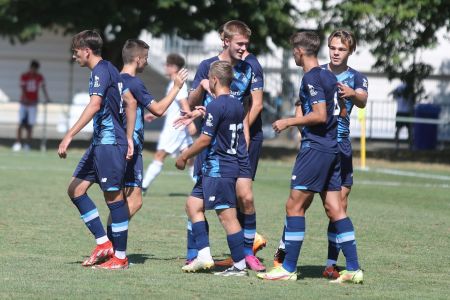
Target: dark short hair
(223, 71)
(34, 64)
(88, 39)
(175, 59)
(347, 37)
(132, 49)
(307, 40)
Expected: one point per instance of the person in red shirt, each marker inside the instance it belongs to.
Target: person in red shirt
(30, 82)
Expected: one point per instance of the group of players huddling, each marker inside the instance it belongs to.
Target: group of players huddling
(227, 94)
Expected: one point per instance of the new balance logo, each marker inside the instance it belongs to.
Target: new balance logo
(104, 179)
(212, 198)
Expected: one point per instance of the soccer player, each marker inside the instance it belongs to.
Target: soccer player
(104, 162)
(236, 35)
(30, 82)
(171, 140)
(221, 133)
(135, 56)
(317, 167)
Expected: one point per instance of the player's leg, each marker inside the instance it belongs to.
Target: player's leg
(153, 169)
(32, 111)
(23, 120)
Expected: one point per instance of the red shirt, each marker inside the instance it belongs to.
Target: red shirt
(30, 83)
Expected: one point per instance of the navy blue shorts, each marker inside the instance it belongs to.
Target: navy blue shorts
(316, 171)
(254, 152)
(133, 173)
(105, 165)
(345, 151)
(197, 190)
(219, 192)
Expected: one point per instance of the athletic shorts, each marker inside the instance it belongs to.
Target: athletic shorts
(105, 165)
(219, 192)
(173, 140)
(254, 152)
(197, 190)
(245, 169)
(133, 173)
(345, 151)
(27, 114)
(316, 171)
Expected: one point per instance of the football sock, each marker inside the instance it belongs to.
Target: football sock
(241, 265)
(293, 236)
(345, 236)
(90, 216)
(333, 246)
(109, 232)
(153, 170)
(249, 233)
(282, 245)
(236, 245)
(200, 235)
(119, 227)
(191, 173)
(191, 246)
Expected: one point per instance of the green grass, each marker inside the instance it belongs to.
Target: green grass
(402, 226)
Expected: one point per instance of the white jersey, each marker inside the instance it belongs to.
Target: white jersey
(173, 140)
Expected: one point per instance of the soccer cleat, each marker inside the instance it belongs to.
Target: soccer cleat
(331, 272)
(114, 263)
(227, 262)
(26, 147)
(233, 271)
(278, 258)
(17, 147)
(254, 264)
(278, 273)
(259, 243)
(197, 265)
(350, 277)
(101, 253)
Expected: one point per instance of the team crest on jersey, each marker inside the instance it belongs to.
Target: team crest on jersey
(312, 90)
(365, 83)
(96, 81)
(209, 120)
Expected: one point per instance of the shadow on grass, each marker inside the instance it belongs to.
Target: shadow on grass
(138, 258)
(310, 271)
(178, 195)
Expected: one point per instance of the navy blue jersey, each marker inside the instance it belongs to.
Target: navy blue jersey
(224, 117)
(240, 88)
(257, 84)
(319, 85)
(355, 80)
(144, 99)
(108, 122)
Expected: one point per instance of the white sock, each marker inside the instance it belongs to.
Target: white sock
(204, 254)
(331, 262)
(240, 264)
(282, 245)
(120, 254)
(101, 240)
(191, 173)
(153, 170)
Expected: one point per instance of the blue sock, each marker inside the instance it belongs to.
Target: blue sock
(333, 246)
(200, 233)
(109, 232)
(236, 245)
(282, 244)
(240, 217)
(89, 214)
(119, 225)
(294, 234)
(249, 233)
(345, 236)
(191, 247)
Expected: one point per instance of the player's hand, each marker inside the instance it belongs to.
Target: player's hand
(345, 91)
(130, 150)
(280, 125)
(181, 78)
(187, 118)
(62, 149)
(205, 85)
(180, 163)
(149, 117)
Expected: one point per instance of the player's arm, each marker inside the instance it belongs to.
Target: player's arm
(186, 109)
(195, 96)
(317, 116)
(130, 112)
(160, 107)
(256, 105)
(246, 129)
(86, 116)
(357, 96)
(199, 145)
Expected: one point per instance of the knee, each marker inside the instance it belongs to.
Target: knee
(74, 191)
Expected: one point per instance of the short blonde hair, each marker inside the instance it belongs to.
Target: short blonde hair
(223, 71)
(234, 27)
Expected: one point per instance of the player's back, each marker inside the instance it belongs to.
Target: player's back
(105, 82)
(319, 85)
(224, 124)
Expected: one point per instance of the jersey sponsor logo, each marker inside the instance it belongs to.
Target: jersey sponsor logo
(104, 179)
(209, 120)
(212, 198)
(96, 81)
(312, 90)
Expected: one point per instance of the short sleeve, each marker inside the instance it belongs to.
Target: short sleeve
(141, 94)
(99, 81)
(202, 73)
(361, 82)
(314, 89)
(257, 76)
(212, 119)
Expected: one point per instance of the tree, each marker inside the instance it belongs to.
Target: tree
(117, 21)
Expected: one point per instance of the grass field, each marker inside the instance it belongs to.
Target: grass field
(402, 224)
